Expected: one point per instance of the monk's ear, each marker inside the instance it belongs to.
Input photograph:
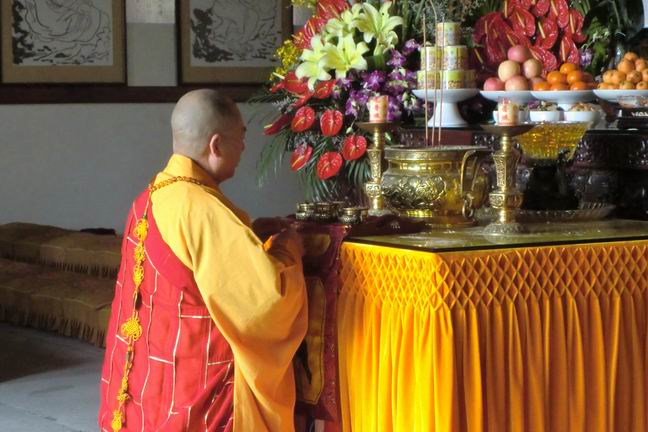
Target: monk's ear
(215, 144)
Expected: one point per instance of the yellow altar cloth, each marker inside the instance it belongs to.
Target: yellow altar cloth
(550, 338)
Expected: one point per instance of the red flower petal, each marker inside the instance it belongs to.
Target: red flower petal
(329, 165)
(324, 89)
(331, 122)
(353, 147)
(295, 85)
(303, 100)
(303, 120)
(278, 124)
(300, 156)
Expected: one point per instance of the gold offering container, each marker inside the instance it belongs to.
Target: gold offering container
(441, 185)
(353, 215)
(305, 211)
(327, 211)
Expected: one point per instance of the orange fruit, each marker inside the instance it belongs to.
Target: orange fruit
(630, 56)
(579, 85)
(627, 85)
(568, 67)
(604, 86)
(587, 77)
(575, 76)
(625, 66)
(607, 76)
(644, 75)
(618, 77)
(613, 86)
(643, 85)
(555, 77)
(559, 86)
(634, 77)
(592, 85)
(541, 86)
(641, 65)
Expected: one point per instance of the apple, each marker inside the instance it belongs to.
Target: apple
(493, 84)
(516, 83)
(518, 53)
(532, 68)
(508, 69)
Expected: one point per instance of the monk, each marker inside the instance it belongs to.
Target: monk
(206, 318)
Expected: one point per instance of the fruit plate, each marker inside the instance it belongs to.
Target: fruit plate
(447, 96)
(520, 96)
(564, 96)
(614, 95)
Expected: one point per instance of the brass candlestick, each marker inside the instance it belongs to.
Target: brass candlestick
(506, 199)
(373, 188)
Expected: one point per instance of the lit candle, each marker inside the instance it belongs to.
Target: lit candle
(378, 109)
(507, 112)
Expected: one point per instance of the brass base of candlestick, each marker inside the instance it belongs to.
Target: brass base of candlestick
(373, 188)
(506, 199)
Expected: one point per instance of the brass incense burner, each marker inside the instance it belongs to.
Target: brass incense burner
(440, 185)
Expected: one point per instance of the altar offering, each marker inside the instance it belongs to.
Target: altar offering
(507, 112)
(448, 33)
(455, 57)
(378, 109)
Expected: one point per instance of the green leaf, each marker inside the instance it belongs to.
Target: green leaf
(272, 157)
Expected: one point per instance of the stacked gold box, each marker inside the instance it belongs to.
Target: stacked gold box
(445, 65)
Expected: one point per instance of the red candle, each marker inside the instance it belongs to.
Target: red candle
(378, 109)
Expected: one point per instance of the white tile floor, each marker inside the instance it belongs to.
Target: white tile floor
(47, 382)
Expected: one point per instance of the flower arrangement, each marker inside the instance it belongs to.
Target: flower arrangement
(556, 31)
(344, 55)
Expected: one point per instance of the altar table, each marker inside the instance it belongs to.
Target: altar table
(463, 332)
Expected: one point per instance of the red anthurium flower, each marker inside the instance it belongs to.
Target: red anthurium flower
(295, 85)
(313, 26)
(331, 8)
(331, 122)
(300, 156)
(279, 86)
(323, 89)
(278, 124)
(329, 165)
(353, 147)
(303, 100)
(303, 120)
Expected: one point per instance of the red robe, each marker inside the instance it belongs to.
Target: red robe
(180, 383)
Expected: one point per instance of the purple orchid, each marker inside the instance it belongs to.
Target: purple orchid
(394, 109)
(397, 59)
(356, 103)
(410, 46)
(374, 80)
(586, 57)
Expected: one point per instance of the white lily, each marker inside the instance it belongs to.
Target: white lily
(344, 56)
(311, 66)
(344, 25)
(379, 25)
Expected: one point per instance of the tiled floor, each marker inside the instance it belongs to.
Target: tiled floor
(47, 382)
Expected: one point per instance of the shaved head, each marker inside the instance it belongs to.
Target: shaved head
(197, 116)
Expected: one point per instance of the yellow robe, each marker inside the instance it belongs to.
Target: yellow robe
(257, 298)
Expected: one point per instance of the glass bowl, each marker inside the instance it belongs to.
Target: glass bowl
(546, 141)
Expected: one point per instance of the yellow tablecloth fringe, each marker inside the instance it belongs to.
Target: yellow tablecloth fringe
(531, 339)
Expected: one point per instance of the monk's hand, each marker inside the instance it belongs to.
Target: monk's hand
(266, 227)
(292, 239)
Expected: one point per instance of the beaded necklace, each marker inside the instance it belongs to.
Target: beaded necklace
(131, 329)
